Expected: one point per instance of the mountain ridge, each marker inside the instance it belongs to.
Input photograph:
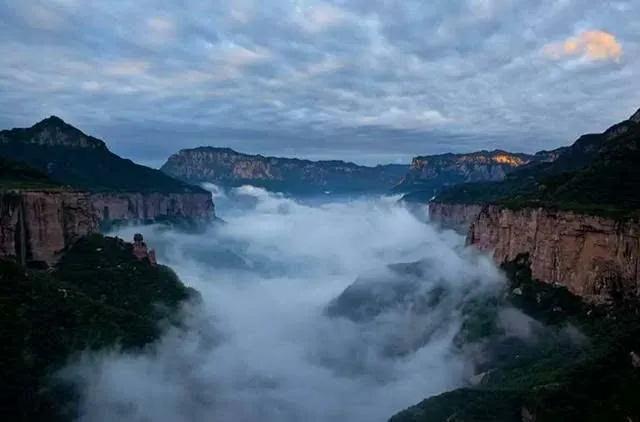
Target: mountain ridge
(229, 168)
(71, 157)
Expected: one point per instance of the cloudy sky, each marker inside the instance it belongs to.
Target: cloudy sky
(365, 80)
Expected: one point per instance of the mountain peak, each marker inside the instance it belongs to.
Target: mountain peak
(53, 131)
(636, 117)
(53, 120)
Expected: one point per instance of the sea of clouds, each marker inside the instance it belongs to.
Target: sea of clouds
(261, 344)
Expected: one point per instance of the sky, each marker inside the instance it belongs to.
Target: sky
(371, 81)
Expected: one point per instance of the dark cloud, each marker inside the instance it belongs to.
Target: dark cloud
(364, 80)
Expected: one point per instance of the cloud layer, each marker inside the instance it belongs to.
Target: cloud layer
(368, 80)
(261, 347)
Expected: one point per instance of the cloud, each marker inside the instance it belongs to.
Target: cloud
(363, 80)
(320, 16)
(127, 68)
(592, 45)
(261, 347)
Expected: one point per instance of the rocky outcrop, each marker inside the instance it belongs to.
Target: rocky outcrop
(594, 257)
(141, 251)
(152, 207)
(39, 226)
(454, 216)
(229, 168)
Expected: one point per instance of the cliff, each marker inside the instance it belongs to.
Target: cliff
(226, 167)
(434, 172)
(37, 226)
(136, 207)
(592, 256)
(454, 216)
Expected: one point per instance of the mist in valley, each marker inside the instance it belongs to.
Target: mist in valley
(317, 310)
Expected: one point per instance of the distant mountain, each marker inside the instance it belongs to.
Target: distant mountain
(598, 172)
(70, 157)
(430, 174)
(226, 167)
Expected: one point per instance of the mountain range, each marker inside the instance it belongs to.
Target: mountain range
(228, 168)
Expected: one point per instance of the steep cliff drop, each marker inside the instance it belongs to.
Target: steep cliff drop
(37, 226)
(594, 257)
(140, 207)
(454, 216)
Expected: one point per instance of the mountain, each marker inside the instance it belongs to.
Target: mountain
(55, 155)
(599, 173)
(430, 174)
(226, 167)
(70, 157)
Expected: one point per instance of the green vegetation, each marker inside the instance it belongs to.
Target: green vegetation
(562, 376)
(99, 296)
(15, 175)
(70, 157)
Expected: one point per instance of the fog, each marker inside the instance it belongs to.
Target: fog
(274, 338)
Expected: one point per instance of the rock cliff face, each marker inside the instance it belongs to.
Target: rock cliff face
(433, 172)
(226, 167)
(454, 216)
(39, 226)
(594, 257)
(149, 207)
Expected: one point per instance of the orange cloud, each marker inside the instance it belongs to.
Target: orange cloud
(593, 45)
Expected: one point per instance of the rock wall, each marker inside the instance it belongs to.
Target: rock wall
(592, 256)
(454, 216)
(148, 207)
(38, 226)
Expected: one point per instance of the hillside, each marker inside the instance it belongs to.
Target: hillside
(17, 175)
(70, 157)
(99, 296)
(599, 173)
(228, 168)
(579, 362)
